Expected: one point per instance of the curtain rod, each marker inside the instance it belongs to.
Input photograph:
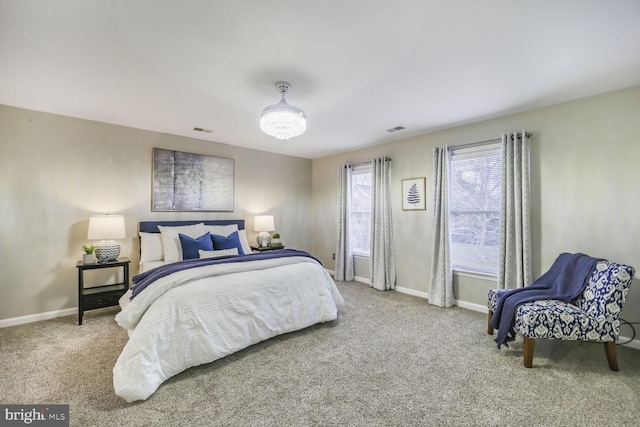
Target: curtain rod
(365, 163)
(485, 142)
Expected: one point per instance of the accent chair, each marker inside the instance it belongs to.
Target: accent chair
(594, 316)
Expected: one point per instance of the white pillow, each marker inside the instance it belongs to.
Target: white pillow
(150, 265)
(218, 253)
(171, 242)
(221, 230)
(242, 235)
(150, 247)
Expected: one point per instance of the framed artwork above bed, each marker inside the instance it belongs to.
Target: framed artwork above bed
(191, 182)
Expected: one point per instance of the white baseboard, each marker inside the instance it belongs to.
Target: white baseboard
(411, 292)
(472, 306)
(362, 280)
(633, 344)
(356, 279)
(37, 317)
(462, 304)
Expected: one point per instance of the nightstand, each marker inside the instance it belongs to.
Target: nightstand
(101, 296)
(268, 248)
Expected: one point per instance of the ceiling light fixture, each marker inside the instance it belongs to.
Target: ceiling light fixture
(281, 120)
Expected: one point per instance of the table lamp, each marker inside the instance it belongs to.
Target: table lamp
(106, 228)
(263, 224)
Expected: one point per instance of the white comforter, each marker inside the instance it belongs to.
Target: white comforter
(199, 315)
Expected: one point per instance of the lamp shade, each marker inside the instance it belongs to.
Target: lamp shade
(106, 227)
(263, 223)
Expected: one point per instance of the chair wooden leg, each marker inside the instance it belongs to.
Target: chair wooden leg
(489, 328)
(610, 351)
(529, 345)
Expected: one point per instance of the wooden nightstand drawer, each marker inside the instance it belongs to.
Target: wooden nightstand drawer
(103, 299)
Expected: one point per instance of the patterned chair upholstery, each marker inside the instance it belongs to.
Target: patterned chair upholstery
(593, 316)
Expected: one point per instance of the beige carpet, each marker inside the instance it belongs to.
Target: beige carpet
(390, 360)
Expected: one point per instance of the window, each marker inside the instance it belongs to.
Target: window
(361, 209)
(474, 208)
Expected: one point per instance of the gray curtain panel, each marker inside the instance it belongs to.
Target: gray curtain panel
(514, 269)
(344, 254)
(441, 283)
(382, 258)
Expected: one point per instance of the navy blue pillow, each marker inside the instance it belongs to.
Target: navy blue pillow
(229, 242)
(190, 246)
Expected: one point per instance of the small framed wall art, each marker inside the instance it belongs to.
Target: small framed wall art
(413, 194)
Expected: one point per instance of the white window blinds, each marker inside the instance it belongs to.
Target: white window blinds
(474, 207)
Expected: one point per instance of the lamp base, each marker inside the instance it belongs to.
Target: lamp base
(107, 250)
(264, 239)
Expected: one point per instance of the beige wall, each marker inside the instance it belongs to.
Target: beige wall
(55, 171)
(585, 189)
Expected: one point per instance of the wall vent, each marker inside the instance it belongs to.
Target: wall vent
(202, 130)
(397, 128)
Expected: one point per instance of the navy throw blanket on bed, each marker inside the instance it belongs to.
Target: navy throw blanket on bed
(565, 280)
(142, 280)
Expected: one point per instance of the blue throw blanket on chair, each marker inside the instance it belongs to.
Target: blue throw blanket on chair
(565, 281)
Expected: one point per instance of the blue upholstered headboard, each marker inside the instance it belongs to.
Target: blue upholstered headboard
(152, 226)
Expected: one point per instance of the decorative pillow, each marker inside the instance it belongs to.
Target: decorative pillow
(191, 246)
(246, 247)
(171, 242)
(150, 247)
(217, 254)
(229, 242)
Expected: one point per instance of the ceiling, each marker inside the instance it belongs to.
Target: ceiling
(357, 67)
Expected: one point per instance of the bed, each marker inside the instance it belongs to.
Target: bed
(191, 311)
